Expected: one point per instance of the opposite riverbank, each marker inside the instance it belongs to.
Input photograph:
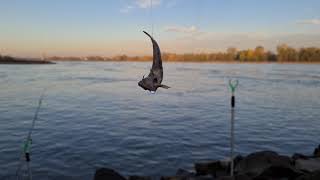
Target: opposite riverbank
(12, 60)
(195, 61)
(263, 165)
(284, 54)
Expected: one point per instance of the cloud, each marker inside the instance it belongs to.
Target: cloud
(310, 21)
(171, 3)
(126, 9)
(147, 3)
(140, 4)
(181, 29)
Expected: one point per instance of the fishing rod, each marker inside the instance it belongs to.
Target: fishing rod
(233, 85)
(27, 144)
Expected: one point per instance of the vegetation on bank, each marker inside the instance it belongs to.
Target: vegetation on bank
(13, 60)
(6, 58)
(284, 53)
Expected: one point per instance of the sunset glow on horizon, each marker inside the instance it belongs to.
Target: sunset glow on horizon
(107, 28)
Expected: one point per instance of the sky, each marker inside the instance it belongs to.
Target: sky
(113, 27)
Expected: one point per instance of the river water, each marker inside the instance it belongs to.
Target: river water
(94, 115)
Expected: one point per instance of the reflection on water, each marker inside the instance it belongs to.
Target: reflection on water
(94, 114)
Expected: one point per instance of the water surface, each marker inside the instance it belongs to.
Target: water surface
(94, 114)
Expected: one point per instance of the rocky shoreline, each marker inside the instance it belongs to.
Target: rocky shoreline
(263, 165)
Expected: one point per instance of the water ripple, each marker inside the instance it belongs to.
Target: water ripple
(94, 114)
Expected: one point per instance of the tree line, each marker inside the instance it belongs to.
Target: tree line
(284, 53)
(6, 58)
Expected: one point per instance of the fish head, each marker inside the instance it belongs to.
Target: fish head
(148, 84)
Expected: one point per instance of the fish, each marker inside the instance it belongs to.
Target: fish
(153, 81)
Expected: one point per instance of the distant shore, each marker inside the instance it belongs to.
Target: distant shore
(195, 61)
(11, 60)
(284, 55)
(39, 61)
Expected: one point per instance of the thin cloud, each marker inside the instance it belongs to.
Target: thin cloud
(171, 3)
(310, 21)
(140, 4)
(181, 29)
(126, 9)
(147, 3)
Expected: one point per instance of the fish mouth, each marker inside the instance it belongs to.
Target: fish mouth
(142, 85)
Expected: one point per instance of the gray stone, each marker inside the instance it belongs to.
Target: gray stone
(215, 168)
(309, 165)
(236, 177)
(279, 172)
(255, 163)
(177, 178)
(316, 152)
(226, 178)
(184, 175)
(107, 174)
(173, 178)
(311, 176)
(139, 178)
(183, 172)
(299, 156)
(242, 177)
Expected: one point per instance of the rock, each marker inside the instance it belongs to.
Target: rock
(202, 168)
(236, 177)
(299, 156)
(107, 174)
(215, 168)
(311, 176)
(226, 163)
(182, 172)
(188, 178)
(279, 172)
(226, 178)
(139, 178)
(316, 152)
(308, 165)
(237, 159)
(182, 175)
(242, 177)
(174, 178)
(255, 163)
(202, 178)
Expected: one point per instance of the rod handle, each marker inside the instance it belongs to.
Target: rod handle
(233, 101)
(27, 156)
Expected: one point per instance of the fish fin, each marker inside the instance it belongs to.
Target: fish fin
(147, 34)
(164, 86)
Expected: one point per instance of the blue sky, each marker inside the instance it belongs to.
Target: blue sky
(111, 27)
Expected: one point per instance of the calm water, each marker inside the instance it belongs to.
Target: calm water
(94, 114)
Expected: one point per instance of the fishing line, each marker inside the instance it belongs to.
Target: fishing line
(151, 14)
(27, 144)
(233, 85)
